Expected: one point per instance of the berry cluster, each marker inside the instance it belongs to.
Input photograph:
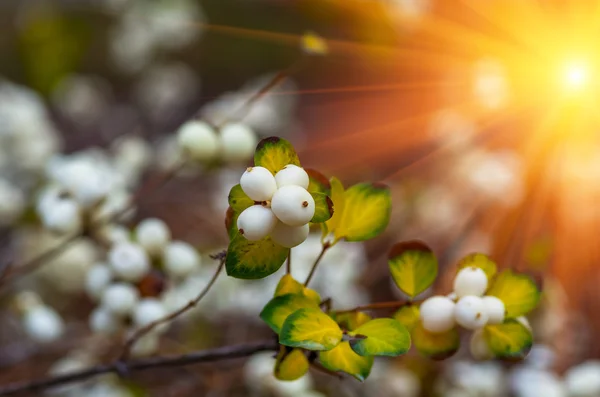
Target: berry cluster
(283, 207)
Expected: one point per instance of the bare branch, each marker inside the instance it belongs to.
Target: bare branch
(326, 246)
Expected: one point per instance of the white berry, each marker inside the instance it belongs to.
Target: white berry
(97, 279)
(238, 142)
(292, 175)
(198, 140)
(293, 205)
(146, 345)
(129, 261)
(180, 259)
(479, 347)
(437, 314)
(120, 298)
(256, 222)
(43, 324)
(495, 309)
(63, 216)
(289, 236)
(102, 321)
(470, 281)
(470, 312)
(258, 183)
(153, 234)
(584, 380)
(147, 311)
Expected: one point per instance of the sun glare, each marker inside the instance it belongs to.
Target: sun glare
(576, 75)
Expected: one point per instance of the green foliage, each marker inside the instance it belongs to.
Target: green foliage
(351, 320)
(254, 259)
(413, 266)
(481, 261)
(323, 207)
(318, 183)
(519, 293)
(290, 364)
(279, 308)
(435, 346)
(408, 316)
(343, 358)
(510, 340)
(238, 200)
(310, 329)
(274, 153)
(287, 285)
(380, 337)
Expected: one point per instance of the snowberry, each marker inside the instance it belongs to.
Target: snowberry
(146, 345)
(470, 281)
(238, 142)
(470, 312)
(292, 175)
(584, 380)
(180, 259)
(198, 140)
(258, 183)
(43, 324)
(120, 298)
(103, 321)
(97, 279)
(153, 234)
(129, 261)
(147, 311)
(63, 216)
(293, 205)
(437, 314)
(479, 347)
(495, 309)
(289, 236)
(256, 222)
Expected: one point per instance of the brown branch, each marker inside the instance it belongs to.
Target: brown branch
(376, 306)
(172, 316)
(125, 367)
(288, 268)
(326, 246)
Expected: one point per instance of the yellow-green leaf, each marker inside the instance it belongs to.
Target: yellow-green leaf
(343, 358)
(238, 199)
(511, 340)
(351, 320)
(380, 337)
(254, 259)
(518, 292)
(366, 212)
(310, 329)
(287, 285)
(290, 365)
(339, 203)
(279, 308)
(318, 183)
(481, 261)
(274, 153)
(413, 266)
(435, 346)
(408, 316)
(231, 217)
(312, 295)
(323, 207)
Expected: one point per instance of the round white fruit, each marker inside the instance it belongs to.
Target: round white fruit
(153, 234)
(289, 236)
(256, 222)
(495, 309)
(258, 183)
(292, 175)
(584, 380)
(120, 298)
(43, 324)
(470, 281)
(479, 347)
(102, 321)
(63, 216)
(129, 261)
(180, 259)
(470, 312)
(238, 142)
(437, 314)
(198, 140)
(147, 311)
(293, 205)
(146, 345)
(97, 279)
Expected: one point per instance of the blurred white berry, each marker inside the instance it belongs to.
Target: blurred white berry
(292, 175)
(198, 140)
(129, 261)
(103, 321)
(87, 182)
(256, 222)
(470, 312)
(113, 234)
(470, 281)
(258, 183)
(293, 205)
(97, 279)
(479, 347)
(146, 345)
(495, 309)
(43, 324)
(180, 259)
(63, 216)
(289, 236)
(120, 298)
(12, 202)
(238, 142)
(437, 314)
(147, 311)
(153, 234)
(584, 380)
(133, 151)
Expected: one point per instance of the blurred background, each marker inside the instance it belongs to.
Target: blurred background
(481, 117)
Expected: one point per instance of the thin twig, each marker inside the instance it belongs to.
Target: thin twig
(288, 268)
(120, 367)
(172, 316)
(375, 306)
(326, 246)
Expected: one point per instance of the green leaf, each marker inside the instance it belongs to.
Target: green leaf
(310, 329)
(518, 292)
(318, 183)
(481, 261)
(290, 365)
(238, 199)
(380, 337)
(408, 316)
(274, 153)
(288, 285)
(279, 308)
(510, 339)
(343, 358)
(366, 212)
(231, 222)
(254, 259)
(323, 207)
(312, 295)
(435, 346)
(339, 203)
(351, 320)
(413, 266)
